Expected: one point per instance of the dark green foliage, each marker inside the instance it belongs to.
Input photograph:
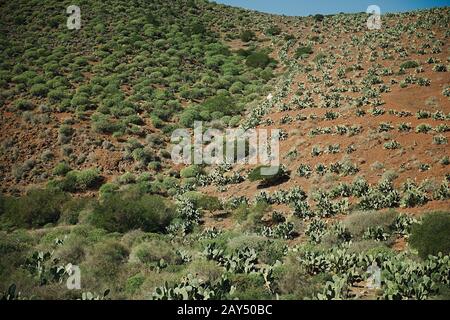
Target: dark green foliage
(319, 17)
(249, 287)
(108, 189)
(106, 258)
(198, 28)
(2, 204)
(45, 268)
(221, 103)
(39, 90)
(155, 251)
(273, 30)
(188, 117)
(123, 213)
(65, 133)
(244, 53)
(432, 235)
(247, 35)
(104, 124)
(409, 64)
(71, 210)
(76, 180)
(203, 201)
(24, 105)
(258, 60)
(35, 209)
(10, 294)
(301, 51)
(267, 179)
(213, 108)
(191, 171)
(61, 169)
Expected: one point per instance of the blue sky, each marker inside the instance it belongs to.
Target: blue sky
(307, 7)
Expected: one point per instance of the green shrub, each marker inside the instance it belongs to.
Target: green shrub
(73, 250)
(223, 103)
(65, 133)
(36, 208)
(440, 139)
(432, 235)
(143, 155)
(14, 242)
(108, 189)
(205, 269)
(71, 210)
(126, 178)
(39, 90)
(243, 241)
(358, 223)
(84, 180)
(294, 283)
(2, 204)
(155, 251)
(203, 201)
(249, 287)
(13, 246)
(56, 95)
(104, 124)
(191, 171)
(123, 213)
(273, 31)
(256, 175)
(247, 35)
(134, 283)
(24, 105)
(271, 250)
(391, 145)
(251, 217)
(413, 195)
(319, 17)
(258, 60)
(187, 118)
(198, 28)
(409, 64)
(106, 258)
(301, 51)
(61, 169)
(317, 59)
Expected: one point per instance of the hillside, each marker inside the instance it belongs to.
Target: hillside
(87, 177)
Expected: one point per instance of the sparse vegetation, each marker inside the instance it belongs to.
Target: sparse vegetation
(86, 153)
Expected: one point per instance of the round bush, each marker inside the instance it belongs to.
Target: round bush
(432, 235)
(203, 201)
(35, 209)
(154, 251)
(106, 258)
(190, 172)
(24, 105)
(247, 35)
(258, 60)
(61, 169)
(39, 90)
(257, 175)
(123, 213)
(409, 64)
